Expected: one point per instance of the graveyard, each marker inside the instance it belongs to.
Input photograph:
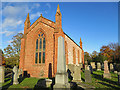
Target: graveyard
(97, 81)
(44, 56)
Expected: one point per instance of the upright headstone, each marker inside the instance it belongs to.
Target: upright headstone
(93, 65)
(98, 66)
(61, 78)
(2, 74)
(119, 78)
(77, 74)
(88, 76)
(106, 70)
(111, 67)
(102, 66)
(15, 75)
(71, 68)
(86, 65)
(90, 68)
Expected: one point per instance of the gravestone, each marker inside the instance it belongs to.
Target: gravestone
(2, 74)
(71, 68)
(119, 78)
(15, 75)
(111, 67)
(93, 65)
(86, 65)
(88, 76)
(77, 74)
(61, 77)
(98, 66)
(90, 68)
(106, 70)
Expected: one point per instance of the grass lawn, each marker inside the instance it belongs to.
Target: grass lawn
(97, 81)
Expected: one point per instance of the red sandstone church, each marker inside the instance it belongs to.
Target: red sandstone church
(39, 45)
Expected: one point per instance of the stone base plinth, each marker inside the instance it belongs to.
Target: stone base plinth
(58, 86)
(61, 80)
(16, 82)
(76, 81)
(107, 75)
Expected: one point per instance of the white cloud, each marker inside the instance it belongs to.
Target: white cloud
(7, 33)
(33, 16)
(15, 11)
(10, 22)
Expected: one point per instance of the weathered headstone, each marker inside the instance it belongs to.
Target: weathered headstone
(15, 75)
(71, 68)
(2, 74)
(98, 66)
(77, 74)
(61, 77)
(111, 67)
(86, 65)
(119, 78)
(102, 66)
(93, 65)
(90, 68)
(106, 70)
(88, 76)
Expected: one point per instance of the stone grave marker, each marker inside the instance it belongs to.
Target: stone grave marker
(15, 75)
(98, 66)
(106, 70)
(93, 65)
(88, 76)
(90, 68)
(2, 74)
(111, 67)
(61, 77)
(77, 74)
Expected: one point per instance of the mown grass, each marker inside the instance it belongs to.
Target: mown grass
(99, 82)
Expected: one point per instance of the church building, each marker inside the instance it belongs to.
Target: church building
(39, 45)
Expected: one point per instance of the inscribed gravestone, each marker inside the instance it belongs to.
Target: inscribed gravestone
(111, 67)
(61, 78)
(88, 76)
(93, 65)
(98, 66)
(77, 74)
(15, 75)
(2, 73)
(106, 70)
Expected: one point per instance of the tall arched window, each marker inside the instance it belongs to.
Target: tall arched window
(40, 49)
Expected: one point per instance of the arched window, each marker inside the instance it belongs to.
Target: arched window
(40, 49)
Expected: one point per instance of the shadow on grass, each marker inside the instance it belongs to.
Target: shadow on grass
(100, 77)
(83, 79)
(113, 87)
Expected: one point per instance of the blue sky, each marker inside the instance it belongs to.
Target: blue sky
(95, 22)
